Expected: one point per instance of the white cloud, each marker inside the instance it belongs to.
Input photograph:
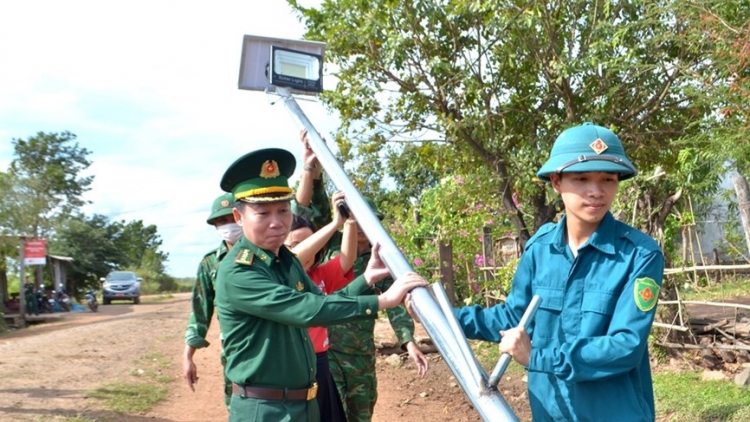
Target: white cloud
(150, 88)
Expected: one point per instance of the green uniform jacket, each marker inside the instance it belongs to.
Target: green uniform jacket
(358, 337)
(265, 305)
(204, 293)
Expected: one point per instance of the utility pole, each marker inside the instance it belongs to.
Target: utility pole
(22, 279)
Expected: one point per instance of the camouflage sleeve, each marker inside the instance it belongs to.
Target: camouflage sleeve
(400, 320)
(308, 213)
(202, 306)
(322, 202)
(319, 210)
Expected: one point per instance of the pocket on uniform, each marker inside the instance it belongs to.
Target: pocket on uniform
(243, 408)
(599, 302)
(552, 298)
(546, 322)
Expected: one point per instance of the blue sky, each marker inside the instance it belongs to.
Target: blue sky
(150, 88)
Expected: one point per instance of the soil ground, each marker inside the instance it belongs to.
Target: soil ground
(49, 370)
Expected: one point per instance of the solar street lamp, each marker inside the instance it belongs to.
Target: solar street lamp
(287, 67)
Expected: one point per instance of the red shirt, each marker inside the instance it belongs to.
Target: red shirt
(329, 278)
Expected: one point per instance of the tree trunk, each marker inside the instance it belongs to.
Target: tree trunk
(743, 203)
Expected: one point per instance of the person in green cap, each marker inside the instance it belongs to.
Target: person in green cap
(351, 352)
(266, 301)
(586, 350)
(204, 290)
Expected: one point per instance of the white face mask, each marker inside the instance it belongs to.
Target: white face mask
(230, 232)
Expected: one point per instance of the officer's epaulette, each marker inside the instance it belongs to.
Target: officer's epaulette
(540, 233)
(245, 256)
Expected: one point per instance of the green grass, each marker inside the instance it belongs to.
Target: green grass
(147, 389)
(686, 398)
(727, 289)
(152, 366)
(123, 397)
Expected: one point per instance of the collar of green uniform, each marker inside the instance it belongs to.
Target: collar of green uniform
(222, 249)
(602, 239)
(264, 256)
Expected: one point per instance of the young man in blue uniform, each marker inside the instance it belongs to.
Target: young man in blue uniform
(586, 350)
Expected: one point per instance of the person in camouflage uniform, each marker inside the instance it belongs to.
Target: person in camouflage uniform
(351, 351)
(204, 290)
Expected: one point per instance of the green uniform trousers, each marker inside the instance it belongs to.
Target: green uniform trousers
(357, 383)
(259, 410)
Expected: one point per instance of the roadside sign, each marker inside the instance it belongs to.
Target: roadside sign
(35, 252)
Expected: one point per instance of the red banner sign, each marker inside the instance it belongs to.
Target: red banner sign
(35, 252)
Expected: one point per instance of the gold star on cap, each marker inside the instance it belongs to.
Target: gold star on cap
(269, 170)
(300, 286)
(598, 146)
(225, 203)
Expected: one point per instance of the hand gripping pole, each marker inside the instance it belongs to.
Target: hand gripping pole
(451, 343)
(505, 359)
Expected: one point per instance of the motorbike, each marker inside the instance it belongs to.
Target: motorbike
(62, 300)
(45, 303)
(91, 300)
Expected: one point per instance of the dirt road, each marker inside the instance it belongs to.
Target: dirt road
(48, 371)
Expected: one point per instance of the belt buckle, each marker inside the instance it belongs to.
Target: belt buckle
(312, 392)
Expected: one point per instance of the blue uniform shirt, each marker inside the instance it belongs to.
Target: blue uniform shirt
(589, 357)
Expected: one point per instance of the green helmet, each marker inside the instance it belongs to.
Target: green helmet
(222, 206)
(587, 148)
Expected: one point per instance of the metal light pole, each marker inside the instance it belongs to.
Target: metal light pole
(287, 66)
(439, 323)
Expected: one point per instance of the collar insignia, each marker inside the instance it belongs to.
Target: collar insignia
(270, 169)
(598, 146)
(300, 286)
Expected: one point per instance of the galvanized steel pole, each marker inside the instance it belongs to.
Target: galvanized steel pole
(451, 343)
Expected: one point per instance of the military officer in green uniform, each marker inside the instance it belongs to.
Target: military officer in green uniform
(266, 301)
(204, 290)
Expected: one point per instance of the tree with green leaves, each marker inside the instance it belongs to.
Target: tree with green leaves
(726, 27)
(90, 241)
(99, 246)
(43, 184)
(47, 180)
(489, 85)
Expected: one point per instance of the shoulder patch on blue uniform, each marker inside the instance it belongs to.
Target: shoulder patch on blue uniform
(646, 293)
(245, 257)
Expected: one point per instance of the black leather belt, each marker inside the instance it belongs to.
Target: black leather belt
(265, 393)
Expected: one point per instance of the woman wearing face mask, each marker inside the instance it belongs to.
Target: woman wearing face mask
(307, 244)
(204, 290)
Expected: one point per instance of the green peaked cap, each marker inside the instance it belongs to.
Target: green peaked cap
(222, 206)
(261, 176)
